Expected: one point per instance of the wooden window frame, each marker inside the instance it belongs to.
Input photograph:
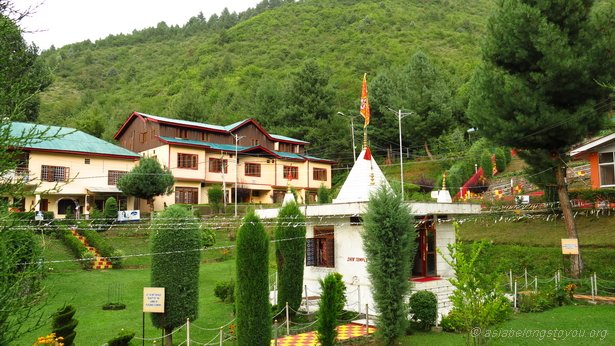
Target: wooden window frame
(54, 173)
(291, 171)
(320, 250)
(319, 174)
(218, 165)
(252, 169)
(114, 176)
(187, 161)
(186, 195)
(605, 165)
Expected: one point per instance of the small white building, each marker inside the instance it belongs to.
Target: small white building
(334, 242)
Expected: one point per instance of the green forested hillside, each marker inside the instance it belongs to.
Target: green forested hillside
(235, 66)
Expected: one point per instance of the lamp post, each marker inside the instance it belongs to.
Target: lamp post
(469, 131)
(354, 154)
(400, 116)
(237, 138)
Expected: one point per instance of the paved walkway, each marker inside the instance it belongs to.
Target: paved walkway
(344, 332)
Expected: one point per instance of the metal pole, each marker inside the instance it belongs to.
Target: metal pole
(510, 279)
(366, 319)
(535, 284)
(143, 324)
(237, 138)
(221, 336)
(354, 153)
(525, 275)
(359, 296)
(401, 159)
(188, 332)
(287, 320)
(307, 302)
(275, 325)
(515, 295)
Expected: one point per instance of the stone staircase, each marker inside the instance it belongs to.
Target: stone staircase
(99, 261)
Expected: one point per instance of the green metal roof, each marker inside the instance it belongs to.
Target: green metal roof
(66, 139)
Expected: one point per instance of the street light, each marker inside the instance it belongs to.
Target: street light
(354, 154)
(400, 116)
(469, 131)
(237, 138)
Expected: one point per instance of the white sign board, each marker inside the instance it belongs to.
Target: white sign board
(153, 299)
(39, 216)
(522, 199)
(128, 215)
(570, 246)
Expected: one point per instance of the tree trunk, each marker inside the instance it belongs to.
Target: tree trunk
(168, 336)
(150, 202)
(576, 264)
(427, 150)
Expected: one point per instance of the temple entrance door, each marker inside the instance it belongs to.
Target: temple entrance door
(426, 255)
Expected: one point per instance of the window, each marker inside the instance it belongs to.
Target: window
(606, 161)
(114, 176)
(291, 173)
(54, 173)
(285, 147)
(153, 134)
(181, 133)
(254, 142)
(205, 136)
(319, 251)
(86, 161)
(216, 165)
(319, 174)
(253, 169)
(187, 161)
(142, 137)
(186, 195)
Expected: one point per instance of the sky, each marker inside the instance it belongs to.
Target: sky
(61, 22)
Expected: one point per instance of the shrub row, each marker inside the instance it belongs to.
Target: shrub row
(77, 248)
(104, 248)
(593, 195)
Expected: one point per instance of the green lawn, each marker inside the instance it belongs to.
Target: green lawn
(89, 290)
(568, 325)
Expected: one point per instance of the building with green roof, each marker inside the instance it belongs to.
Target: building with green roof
(64, 168)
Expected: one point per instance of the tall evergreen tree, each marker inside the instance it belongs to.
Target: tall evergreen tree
(175, 266)
(388, 242)
(252, 283)
(536, 89)
(290, 253)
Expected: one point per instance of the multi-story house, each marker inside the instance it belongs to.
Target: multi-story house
(242, 157)
(66, 168)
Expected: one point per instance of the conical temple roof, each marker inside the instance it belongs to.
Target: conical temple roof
(364, 178)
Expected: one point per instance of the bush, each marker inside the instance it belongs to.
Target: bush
(215, 197)
(110, 209)
(225, 291)
(104, 248)
(452, 322)
(122, 339)
(208, 237)
(500, 160)
(328, 309)
(536, 302)
(77, 248)
(63, 324)
(424, 309)
(485, 163)
(324, 195)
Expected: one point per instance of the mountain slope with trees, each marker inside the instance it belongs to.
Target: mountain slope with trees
(234, 66)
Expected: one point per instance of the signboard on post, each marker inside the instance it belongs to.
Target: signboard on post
(153, 299)
(570, 246)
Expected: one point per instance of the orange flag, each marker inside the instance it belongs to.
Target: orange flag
(364, 101)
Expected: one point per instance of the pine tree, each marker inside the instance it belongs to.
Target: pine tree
(536, 89)
(252, 283)
(176, 241)
(388, 242)
(290, 253)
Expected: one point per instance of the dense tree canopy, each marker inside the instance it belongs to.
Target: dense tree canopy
(22, 74)
(147, 180)
(537, 88)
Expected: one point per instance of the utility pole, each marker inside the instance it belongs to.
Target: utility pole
(237, 138)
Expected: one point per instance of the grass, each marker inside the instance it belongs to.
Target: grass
(593, 231)
(559, 326)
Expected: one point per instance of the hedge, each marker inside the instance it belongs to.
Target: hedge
(77, 248)
(104, 248)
